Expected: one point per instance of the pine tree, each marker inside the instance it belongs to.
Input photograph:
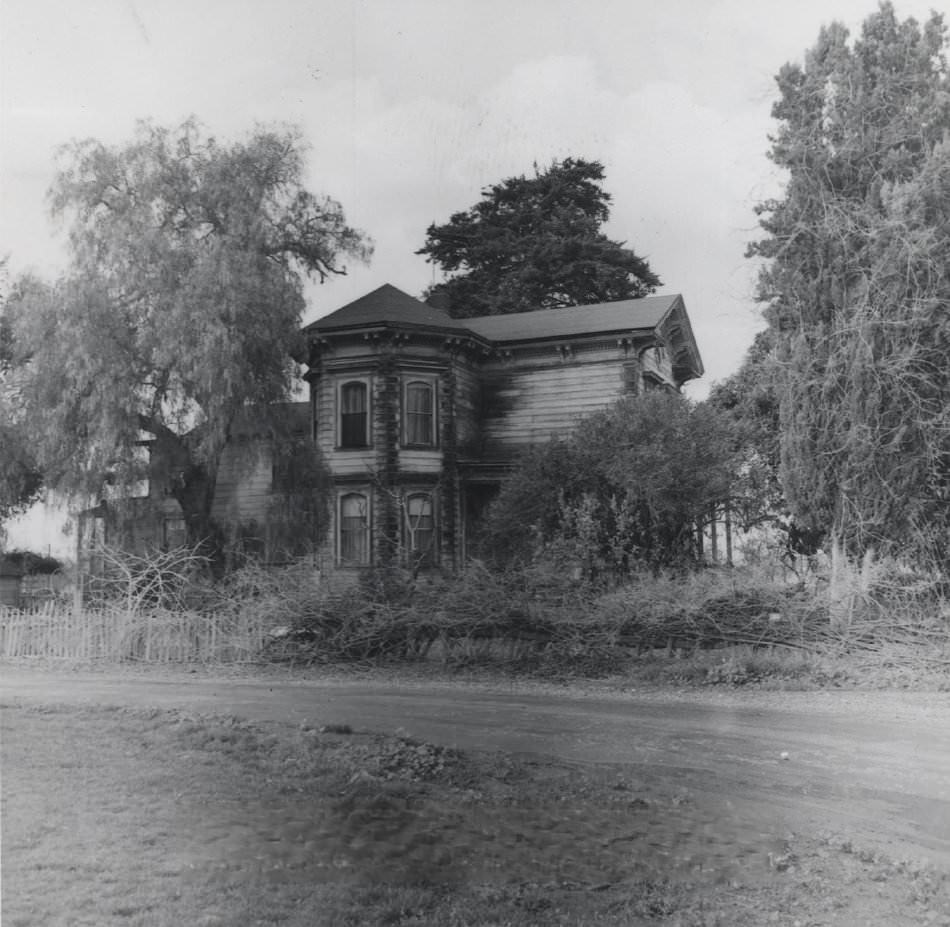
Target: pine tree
(535, 243)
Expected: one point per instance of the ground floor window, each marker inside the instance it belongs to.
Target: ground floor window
(419, 527)
(353, 535)
(174, 532)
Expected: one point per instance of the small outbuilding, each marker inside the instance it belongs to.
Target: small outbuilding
(11, 578)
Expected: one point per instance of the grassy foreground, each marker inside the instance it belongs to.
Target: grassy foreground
(122, 817)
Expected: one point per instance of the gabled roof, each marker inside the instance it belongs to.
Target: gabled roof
(624, 315)
(386, 305)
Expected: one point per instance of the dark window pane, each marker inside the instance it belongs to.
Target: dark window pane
(353, 415)
(420, 417)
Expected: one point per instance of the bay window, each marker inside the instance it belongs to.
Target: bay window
(420, 528)
(353, 532)
(353, 426)
(419, 413)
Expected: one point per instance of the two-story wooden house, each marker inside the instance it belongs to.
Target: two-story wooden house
(419, 416)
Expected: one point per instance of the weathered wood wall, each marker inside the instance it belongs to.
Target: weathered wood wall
(534, 397)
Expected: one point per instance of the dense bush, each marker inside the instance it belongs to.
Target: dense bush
(627, 489)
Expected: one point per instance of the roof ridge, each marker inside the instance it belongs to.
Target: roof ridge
(671, 297)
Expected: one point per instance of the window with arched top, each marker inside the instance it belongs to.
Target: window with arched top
(354, 414)
(353, 532)
(419, 413)
(419, 528)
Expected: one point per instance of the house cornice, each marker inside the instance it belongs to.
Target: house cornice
(677, 331)
(398, 335)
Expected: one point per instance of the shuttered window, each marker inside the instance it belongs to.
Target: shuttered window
(420, 413)
(354, 529)
(354, 414)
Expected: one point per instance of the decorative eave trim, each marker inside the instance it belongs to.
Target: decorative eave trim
(398, 333)
(673, 330)
(677, 332)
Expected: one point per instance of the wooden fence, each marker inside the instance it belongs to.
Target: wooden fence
(59, 631)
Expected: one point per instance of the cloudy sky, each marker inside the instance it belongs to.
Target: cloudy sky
(411, 107)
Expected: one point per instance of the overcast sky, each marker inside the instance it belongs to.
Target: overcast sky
(413, 106)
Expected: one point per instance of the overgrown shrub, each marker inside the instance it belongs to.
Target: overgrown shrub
(626, 490)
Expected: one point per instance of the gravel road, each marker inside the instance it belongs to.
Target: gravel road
(872, 767)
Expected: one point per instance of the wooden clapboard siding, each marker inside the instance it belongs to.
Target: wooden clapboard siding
(468, 389)
(245, 483)
(324, 418)
(414, 460)
(349, 463)
(527, 406)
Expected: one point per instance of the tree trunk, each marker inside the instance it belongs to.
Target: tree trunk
(192, 484)
(195, 495)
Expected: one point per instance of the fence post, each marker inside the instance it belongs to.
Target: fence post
(728, 520)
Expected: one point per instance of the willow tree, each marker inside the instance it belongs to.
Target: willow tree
(20, 478)
(857, 282)
(180, 308)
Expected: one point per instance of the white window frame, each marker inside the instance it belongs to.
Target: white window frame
(368, 435)
(364, 493)
(430, 557)
(433, 384)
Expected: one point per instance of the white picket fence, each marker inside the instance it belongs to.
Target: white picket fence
(60, 631)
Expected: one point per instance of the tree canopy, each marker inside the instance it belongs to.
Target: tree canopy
(180, 308)
(535, 243)
(857, 282)
(20, 478)
(750, 403)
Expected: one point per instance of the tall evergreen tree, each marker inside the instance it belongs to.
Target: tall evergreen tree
(535, 243)
(857, 282)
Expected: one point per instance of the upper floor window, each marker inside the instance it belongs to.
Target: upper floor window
(419, 413)
(354, 414)
(354, 529)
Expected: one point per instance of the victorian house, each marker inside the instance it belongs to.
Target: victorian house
(419, 416)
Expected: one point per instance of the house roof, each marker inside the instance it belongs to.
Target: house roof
(621, 316)
(389, 306)
(386, 305)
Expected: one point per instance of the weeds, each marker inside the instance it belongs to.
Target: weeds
(874, 620)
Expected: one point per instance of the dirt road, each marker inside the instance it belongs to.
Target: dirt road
(871, 767)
